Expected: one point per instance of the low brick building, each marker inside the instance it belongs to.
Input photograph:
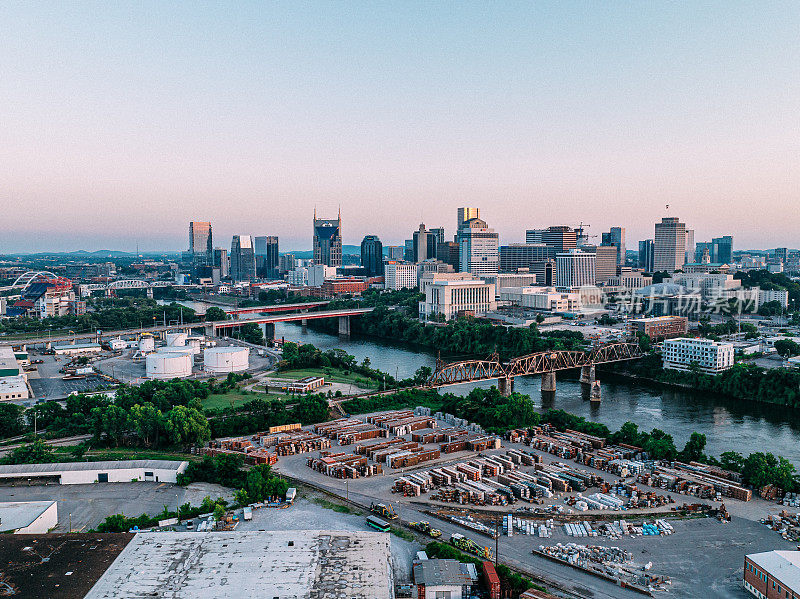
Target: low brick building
(773, 574)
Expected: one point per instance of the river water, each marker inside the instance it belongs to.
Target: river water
(728, 425)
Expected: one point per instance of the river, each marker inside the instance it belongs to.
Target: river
(728, 425)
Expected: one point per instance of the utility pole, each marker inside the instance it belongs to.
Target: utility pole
(496, 542)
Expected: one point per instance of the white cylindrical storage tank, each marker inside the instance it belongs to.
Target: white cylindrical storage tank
(226, 359)
(176, 339)
(168, 365)
(147, 345)
(194, 344)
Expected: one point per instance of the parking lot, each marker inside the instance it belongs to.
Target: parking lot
(88, 505)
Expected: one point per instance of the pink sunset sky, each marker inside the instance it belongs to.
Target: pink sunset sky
(119, 123)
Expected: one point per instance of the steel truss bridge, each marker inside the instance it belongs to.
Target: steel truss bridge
(546, 362)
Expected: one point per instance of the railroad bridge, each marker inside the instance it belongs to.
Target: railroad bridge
(545, 363)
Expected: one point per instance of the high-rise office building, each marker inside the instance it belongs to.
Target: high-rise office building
(448, 252)
(478, 248)
(395, 252)
(560, 238)
(287, 263)
(534, 235)
(616, 237)
(646, 255)
(424, 244)
(523, 255)
(243, 258)
(328, 240)
(438, 233)
(200, 243)
(575, 268)
(782, 254)
(690, 246)
(408, 250)
(372, 255)
(722, 252)
(669, 245)
(221, 262)
(267, 256)
(606, 263)
(465, 214)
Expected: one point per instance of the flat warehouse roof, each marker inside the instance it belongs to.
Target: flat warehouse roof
(84, 466)
(19, 514)
(228, 565)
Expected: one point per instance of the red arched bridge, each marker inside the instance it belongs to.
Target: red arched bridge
(545, 363)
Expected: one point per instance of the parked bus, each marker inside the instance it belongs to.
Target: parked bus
(378, 524)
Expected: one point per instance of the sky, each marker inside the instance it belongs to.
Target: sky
(122, 121)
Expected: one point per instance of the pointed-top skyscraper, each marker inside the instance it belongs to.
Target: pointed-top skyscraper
(328, 240)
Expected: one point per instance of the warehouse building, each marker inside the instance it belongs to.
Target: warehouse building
(78, 473)
(444, 578)
(773, 574)
(28, 517)
(77, 349)
(236, 564)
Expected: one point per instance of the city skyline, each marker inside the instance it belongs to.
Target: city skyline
(539, 114)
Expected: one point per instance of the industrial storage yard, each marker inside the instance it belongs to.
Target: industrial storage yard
(353, 459)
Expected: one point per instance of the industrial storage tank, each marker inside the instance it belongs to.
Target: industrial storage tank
(168, 365)
(176, 339)
(147, 345)
(226, 359)
(195, 343)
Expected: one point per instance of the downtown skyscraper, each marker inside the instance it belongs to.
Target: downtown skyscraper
(328, 240)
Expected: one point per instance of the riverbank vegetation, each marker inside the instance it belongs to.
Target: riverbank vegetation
(749, 382)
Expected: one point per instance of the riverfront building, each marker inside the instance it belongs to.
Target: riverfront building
(451, 298)
(711, 357)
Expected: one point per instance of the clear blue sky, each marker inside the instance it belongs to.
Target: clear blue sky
(120, 122)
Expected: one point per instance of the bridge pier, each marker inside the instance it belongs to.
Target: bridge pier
(595, 395)
(304, 324)
(344, 326)
(587, 374)
(505, 385)
(210, 330)
(109, 292)
(268, 328)
(150, 292)
(548, 382)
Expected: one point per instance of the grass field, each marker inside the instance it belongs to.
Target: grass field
(235, 398)
(333, 375)
(130, 453)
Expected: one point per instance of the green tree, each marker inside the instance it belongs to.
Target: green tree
(37, 452)
(148, 422)
(114, 422)
(693, 450)
(11, 422)
(787, 348)
(187, 426)
(731, 460)
(214, 314)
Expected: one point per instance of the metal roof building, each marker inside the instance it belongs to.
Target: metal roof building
(245, 564)
(74, 473)
(28, 517)
(447, 576)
